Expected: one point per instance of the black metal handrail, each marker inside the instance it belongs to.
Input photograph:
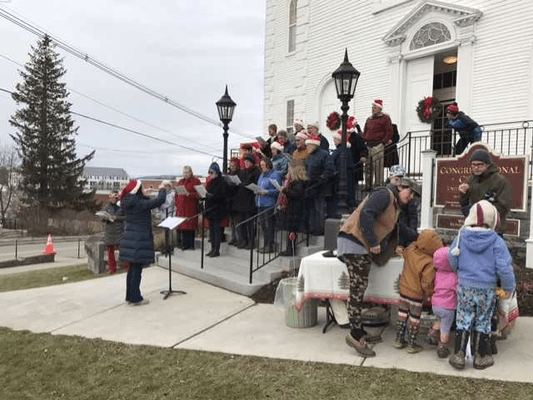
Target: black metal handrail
(262, 259)
(508, 138)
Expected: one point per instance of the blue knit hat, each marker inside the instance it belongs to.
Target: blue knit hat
(215, 168)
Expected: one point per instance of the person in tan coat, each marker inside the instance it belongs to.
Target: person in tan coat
(416, 287)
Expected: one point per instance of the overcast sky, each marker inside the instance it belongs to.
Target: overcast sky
(186, 50)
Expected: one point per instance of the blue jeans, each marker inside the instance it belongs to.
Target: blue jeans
(133, 283)
(215, 234)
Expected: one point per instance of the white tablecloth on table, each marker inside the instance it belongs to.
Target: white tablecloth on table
(327, 278)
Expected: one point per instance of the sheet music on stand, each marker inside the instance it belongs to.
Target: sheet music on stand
(201, 191)
(104, 215)
(254, 188)
(172, 222)
(233, 179)
(276, 184)
(181, 190)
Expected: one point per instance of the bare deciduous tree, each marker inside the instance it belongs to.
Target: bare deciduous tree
(9, 181)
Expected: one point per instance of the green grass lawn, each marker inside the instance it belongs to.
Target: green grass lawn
(44, 366)
(46, 277)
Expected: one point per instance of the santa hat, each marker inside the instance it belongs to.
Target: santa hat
(298, 122)
(313, 139)
(130, 188)
(452, 109)
(277, 146)
(338, 135)
(482, 214)
(350, 124)
(302, 135)
(314, 125)
(378, 103)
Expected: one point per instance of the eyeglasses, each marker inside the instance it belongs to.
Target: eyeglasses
(477, 164)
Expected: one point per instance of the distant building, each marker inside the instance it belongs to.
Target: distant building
(104, 180)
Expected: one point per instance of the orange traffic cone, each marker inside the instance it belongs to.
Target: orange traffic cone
(49, 249)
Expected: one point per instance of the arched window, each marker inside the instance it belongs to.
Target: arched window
(429, 35)
(292, 25)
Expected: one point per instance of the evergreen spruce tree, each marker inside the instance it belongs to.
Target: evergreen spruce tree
(51, 172)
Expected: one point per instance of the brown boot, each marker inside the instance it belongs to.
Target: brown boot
(360, 346)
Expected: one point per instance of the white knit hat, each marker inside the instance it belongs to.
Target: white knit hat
(482, 214)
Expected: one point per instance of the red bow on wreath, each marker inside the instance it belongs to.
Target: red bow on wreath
(428, 103)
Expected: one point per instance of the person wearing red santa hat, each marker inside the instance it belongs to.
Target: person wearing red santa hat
(377, 134)
(137, 244)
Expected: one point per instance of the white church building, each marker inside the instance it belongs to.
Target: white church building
(478, 53)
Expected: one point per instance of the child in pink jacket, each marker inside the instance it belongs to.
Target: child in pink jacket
(443, 301)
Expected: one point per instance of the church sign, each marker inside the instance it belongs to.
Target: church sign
(451, 172)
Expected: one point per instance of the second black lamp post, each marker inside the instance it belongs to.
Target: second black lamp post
(225, 107)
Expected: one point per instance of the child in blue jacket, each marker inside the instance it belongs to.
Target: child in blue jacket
(479, 257)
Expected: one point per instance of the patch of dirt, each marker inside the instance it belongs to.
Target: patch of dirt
(524, 290)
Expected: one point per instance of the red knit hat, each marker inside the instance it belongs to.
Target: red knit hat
(378, 103)
(130, 188)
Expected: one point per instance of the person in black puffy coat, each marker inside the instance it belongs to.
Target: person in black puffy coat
(215, 207)
(137, 244)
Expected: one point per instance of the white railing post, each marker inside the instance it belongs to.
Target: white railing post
(426, 212)
(529, 241)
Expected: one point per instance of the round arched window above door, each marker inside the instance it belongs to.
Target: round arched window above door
(429, 35)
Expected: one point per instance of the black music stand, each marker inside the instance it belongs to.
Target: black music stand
(169, 224)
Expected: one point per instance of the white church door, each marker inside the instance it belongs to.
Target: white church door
(419, 84)
(328, 103)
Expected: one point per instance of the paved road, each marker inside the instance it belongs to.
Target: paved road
(63, 249)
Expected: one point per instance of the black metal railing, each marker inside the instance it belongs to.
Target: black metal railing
(261, 256)
(508, 138)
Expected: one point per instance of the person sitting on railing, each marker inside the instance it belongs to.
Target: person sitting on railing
(292, 213)
(215, 206)
(377, 134)
(320, 172)
(187, 206)
(244, 202)
(266, 200)
(468, 129)
(280, 161)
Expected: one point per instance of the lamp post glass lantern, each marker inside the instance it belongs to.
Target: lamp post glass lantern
(346, 77)
(225, 107)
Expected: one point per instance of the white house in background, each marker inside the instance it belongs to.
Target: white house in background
(478, 53)
(105, 180)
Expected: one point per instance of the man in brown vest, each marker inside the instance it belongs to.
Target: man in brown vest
(370, 234)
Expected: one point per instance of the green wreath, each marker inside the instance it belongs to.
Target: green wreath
(428, 109)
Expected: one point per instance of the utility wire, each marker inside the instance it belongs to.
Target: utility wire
(84, 56)
(135, 132)
(115, 109)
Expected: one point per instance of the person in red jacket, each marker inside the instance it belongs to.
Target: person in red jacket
(377, 134)
(187, 206)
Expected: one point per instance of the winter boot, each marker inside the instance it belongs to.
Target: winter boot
(460, 343)
(400, 342)
(483, 355)
(443, 351)
(359, 344)
(493, 347)
(412, 346)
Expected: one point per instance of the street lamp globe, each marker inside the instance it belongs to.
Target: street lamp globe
(346, 77)
(225, 107)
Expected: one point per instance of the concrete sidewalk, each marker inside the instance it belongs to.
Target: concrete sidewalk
(212, 319)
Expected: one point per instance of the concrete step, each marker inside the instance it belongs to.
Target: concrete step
(217, 276)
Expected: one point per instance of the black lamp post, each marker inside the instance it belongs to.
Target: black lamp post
(346, 77)
(225, 107)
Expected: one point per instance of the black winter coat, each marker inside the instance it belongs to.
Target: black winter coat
(216, 199)
(244, 200)
(359, 150)
(336, 157)
(114, 229)
(295, 218)
(320, 173)
(137, 245)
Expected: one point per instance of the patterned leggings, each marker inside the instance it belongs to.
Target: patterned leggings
(358, 269)
(475, 307)
(409, 312)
